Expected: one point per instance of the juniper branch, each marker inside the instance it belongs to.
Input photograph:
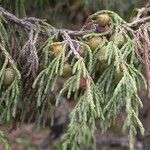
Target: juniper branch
(29, 24)
(96, 99)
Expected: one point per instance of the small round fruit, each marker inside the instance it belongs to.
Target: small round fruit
(103, 19)
(67, 70)
(100, 70)
(94, 42)
(83, 82)
(118, 75)
(81, 51)
(56, 49)
(118, 38)
(9, 76)
(102, 67)
(101, 29)
(102, 54)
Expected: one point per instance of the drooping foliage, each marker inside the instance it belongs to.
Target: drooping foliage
(4, 141)
(103, 81)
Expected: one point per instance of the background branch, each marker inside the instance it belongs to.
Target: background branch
(27, 23)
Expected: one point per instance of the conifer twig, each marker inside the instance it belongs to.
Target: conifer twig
(28, 23)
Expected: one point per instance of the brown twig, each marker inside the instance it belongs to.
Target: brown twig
(12, 18)
(28, 55)
(30, 24)
(143, 49)
(139, 21)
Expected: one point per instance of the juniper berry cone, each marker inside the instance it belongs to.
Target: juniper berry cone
(101, 29)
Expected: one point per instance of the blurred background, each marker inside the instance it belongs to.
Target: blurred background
(69, 13)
